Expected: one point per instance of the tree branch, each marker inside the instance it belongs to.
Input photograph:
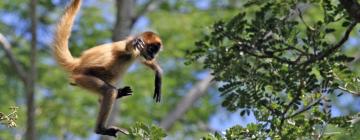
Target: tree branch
(149, 6)
(304, 109)
(333, 48)
(355, 119)
(352, 7)
(349, 91)
(10, 55)
(186, 102)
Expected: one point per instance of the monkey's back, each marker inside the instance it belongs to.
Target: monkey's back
(107, 62)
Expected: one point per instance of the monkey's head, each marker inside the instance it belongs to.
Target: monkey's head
(148, 43)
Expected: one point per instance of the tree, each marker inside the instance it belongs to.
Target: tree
(278, 61)
(27, 79)
(126, 17)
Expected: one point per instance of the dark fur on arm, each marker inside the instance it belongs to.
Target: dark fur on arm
(158, 78)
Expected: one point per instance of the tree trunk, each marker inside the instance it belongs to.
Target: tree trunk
(122, 28)
(124, 17)
(30, 82)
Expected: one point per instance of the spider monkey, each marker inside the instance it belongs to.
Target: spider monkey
(98, 68)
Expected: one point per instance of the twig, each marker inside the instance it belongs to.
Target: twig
(355, 119)
(9, 120)
(333, 48)
(282, 60)
(303, 21)
(304, 108)
(149, 6)
(350, 91)
(322, 131)
(10, 55)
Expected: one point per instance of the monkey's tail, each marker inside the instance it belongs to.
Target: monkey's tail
(62, 35)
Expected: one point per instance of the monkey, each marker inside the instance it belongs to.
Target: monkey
(98, 68)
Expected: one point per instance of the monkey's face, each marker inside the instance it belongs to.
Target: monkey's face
(149, 44)
(150, 50)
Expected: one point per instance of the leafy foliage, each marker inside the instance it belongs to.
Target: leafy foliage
(142, 131)
(9, 119)
(279, 65)
(69, 110)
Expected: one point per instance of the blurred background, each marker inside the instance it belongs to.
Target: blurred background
(49, 108)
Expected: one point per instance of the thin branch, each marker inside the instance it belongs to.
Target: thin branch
(149, 6)
(350, 91)
(333, 48)
(10, 55)
(303, 21)
(273, 111)
(287, 107)
(322, 131)
(304, 108)
(271, 56)
(355, 119)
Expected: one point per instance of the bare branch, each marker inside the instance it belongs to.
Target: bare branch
(186, 102)
(355, 119)
(350, 91)
(10, 55)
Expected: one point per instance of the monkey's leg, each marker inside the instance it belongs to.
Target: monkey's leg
(122, 92)
(108, 96)
(92, 83)
(108, 99)
(98, 86)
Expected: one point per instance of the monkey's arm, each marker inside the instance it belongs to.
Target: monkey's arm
(158, 77)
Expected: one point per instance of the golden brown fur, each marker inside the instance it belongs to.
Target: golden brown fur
(112, 59)
(62, 34)
(98, 68)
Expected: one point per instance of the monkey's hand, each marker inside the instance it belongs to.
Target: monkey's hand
(157, 91)
(158, 76)
(157, 96)
(126, 91)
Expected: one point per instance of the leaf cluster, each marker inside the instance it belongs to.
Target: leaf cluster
(275, 64)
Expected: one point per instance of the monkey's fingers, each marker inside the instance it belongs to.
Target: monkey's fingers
(157, 96)
(122, 94)
(126, 89)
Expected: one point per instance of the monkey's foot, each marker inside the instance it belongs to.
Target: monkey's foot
(126, 91)
(111, 131)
